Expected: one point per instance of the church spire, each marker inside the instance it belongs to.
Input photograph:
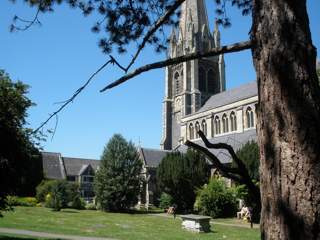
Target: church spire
(193, 15)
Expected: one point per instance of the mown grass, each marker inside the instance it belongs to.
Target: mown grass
(114, 225)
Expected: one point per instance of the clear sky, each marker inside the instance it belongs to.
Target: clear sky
(56, 58)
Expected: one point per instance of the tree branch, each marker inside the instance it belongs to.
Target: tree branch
(77, 92)
(153, 29)
(171, 61)
(224, 170)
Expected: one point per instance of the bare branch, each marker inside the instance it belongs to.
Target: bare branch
(224, 170)
(171, 61)
(153, 29)
(227, 147)
(76, 93)
(35, 20)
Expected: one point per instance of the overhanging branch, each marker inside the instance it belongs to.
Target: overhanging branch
(172, 61)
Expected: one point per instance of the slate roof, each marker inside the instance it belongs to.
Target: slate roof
(75, 166)
(230, 96)
(153, 157)
(236, 140)
(52, 165)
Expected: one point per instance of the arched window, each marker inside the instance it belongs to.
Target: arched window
(250, 118)
(204, 127)
(191, 131)
(177, 82)
(211, 83)
(202, 80)
(197, 129)
(233, 121)
(225, 125)
(217, 126)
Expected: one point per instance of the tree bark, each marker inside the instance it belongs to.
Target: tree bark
(288, 120)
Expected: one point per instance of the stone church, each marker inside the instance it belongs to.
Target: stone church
(196, 97)
(195, 91)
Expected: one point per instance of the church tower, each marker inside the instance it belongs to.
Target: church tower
(188, 85)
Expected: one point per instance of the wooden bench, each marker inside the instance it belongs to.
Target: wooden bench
(196, 223)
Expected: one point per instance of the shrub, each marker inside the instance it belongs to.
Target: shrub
(59, 194)
(165, 201)
(216, 200)
(21, 201)
(91, 206)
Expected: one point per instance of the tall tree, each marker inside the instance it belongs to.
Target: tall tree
(180, 175)
(20, 160)
(117, 182)
(288, 119)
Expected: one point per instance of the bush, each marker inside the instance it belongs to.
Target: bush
(91, 206)
(58, 194)
(216, 200)
(21, 201)
(165, 201)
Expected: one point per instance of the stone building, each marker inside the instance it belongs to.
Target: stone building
(76, 170)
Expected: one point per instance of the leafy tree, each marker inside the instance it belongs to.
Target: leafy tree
(180, 175)
(117, 182)
(216, 200)
(249, 154)
(20, 160)
(165, 201)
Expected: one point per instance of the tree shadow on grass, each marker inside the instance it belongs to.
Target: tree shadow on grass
(24, 238)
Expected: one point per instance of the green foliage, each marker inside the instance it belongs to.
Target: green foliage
(180, 175)
(20, 160)
(21, 201)
(58, 194)
(216, 200)
(117, 182)
(165, 201)
(249, 154)
(91, 206)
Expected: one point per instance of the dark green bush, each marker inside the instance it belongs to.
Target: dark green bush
(165, 201)
(216, 200)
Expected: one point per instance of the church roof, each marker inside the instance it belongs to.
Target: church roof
(52, 165)
(153, 157)
(75, 166)
(236, 140)
(230, 96)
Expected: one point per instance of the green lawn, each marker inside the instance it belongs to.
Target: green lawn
(114, 225)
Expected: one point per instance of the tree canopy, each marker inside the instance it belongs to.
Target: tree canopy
(117, 181)
(20, 160)
(180, 175)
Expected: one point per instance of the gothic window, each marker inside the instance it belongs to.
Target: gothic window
(216, 86)
(204, 127)
(217, 126)
(250, 118)
(197, 129)
(177, 82)
(211, 83)
(225, 125)
(191, 131)
(202, 80)
(233, 121)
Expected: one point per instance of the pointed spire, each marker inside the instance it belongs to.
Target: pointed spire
(216, 34)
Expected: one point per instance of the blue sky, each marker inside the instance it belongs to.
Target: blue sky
(56, 58)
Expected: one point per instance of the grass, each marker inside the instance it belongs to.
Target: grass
(114, 225)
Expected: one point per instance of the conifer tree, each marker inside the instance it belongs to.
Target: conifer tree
(179, 175)
(117, 182)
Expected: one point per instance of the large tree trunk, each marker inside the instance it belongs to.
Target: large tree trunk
(288, 120)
